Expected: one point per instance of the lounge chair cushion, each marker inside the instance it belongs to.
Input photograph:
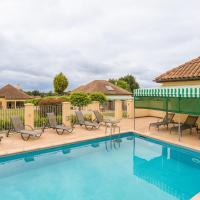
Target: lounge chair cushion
(111, 121)
(158, 123)
(100, 118)
(67, 128)
(32, 133)
(94, 124)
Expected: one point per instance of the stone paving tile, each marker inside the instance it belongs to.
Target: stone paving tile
(14, 143)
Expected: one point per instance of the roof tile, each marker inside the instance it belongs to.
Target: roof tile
(188, 71)
(12, 93)
(101, 86)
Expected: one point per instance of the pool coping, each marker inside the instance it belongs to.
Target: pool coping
(175, 143)
(61, 144)
(145, 135)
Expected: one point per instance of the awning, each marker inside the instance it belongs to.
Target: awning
(182, 100)
(185, 100)
(188, 92)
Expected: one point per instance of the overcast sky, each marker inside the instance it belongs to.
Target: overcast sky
(94, 39)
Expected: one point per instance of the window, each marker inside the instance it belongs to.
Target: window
(19, 104)
(110, 88)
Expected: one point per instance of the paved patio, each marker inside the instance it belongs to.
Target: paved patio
(14, 143)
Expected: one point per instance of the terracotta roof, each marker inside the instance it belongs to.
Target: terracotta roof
(102, 86)
(188, 71)
(11, 93)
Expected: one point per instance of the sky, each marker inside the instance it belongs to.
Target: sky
(94, 39)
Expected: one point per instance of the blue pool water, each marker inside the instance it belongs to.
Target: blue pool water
(130, 167)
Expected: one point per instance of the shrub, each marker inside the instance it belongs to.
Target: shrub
(79, 99)
(35, 101)
(54, 100)
(98, 96)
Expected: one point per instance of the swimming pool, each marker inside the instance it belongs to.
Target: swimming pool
(125, 167)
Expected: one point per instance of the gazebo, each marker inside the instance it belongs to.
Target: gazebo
(180, 100)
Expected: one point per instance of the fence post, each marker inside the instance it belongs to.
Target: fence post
(66, 112)
(118, 109)
(130, 109)
(29, 115)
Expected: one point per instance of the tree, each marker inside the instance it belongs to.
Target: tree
(79, 99)
(130, 80)
(113, 81)
(123, 84)
(60, 83)
(98, 96)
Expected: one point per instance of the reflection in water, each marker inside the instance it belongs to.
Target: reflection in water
(66, 151)
(113, 144)
(169, 168)
(130, 138)
(95, 145)
(29, 159)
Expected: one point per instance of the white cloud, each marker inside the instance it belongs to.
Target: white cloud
(94, 39)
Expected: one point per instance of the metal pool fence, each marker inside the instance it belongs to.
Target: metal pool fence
(6, 114)
(108, 109)
(40, 114)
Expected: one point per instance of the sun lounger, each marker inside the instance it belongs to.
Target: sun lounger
(100, 119)
(189, 123)
(168, 119)
(88, 124)
(60, 129)
(18, 127)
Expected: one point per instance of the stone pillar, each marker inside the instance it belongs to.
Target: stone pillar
(94, 106)
(66, 112)
(3, 103)
(130, 108)
(118, 109)
(29, 115)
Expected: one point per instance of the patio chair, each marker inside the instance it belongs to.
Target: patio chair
(189, 123)
(168, 119)
(89, 125)
(60, 129)
(18, 127)
(100, 120)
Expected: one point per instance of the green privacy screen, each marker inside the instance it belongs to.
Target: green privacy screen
(153, 103)
(176, 105)
(184, 100)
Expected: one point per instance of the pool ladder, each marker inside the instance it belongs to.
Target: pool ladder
(111, 128)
